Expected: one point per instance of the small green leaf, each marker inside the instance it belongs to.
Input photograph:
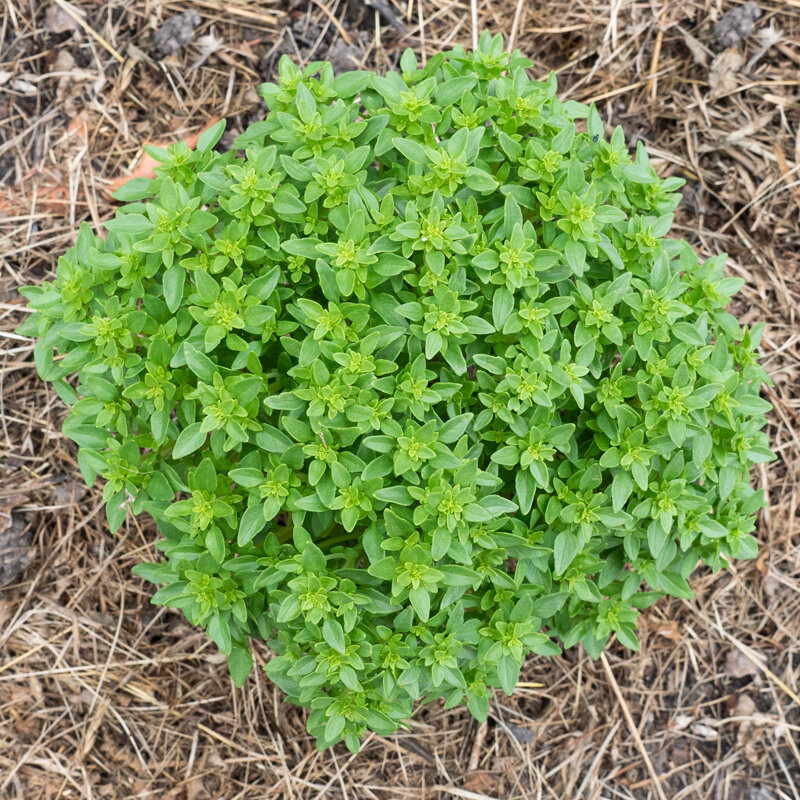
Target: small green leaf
(333, 634)
(129, 223)
(412, 150)
(190, 439)
(220, 632)
(210, 136)
(564, 551)
(250, 525)
(240, 664)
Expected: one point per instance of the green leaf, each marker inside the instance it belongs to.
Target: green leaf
(311, 502)
(502, 306)
(199, 363)
(240, 664)
(480, 181)
(454, 428)
(133, 189)
(384, 569)
(209, 137)
(507, 456)
(116, 511)
(174, 280)
(497, 505)
(250, 525)
(627, 638)
(333, 634)
(129, 223)
(412, 150)
(301, 247)
(421, 603)
(397, 495)
(621, 488)
(688, 333)
(220, 632)
(508, 673)
(458, 575)
(564, 551)
(215, 544)
(313, 558)
(191, 438)
(451, 90)
(273, 440)
(526, 490)
(549, 604)
(86, 435)
(349, 84)
(287, 204)
(510, 147)
(440, 543)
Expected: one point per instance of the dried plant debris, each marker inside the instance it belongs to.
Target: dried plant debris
(736, 24)
(176, 32)
(56, 20)
(738, 665)
(16, 551)
(173, 727)
(385, 10)
(723, 72)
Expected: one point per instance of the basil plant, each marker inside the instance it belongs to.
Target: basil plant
(413, 382)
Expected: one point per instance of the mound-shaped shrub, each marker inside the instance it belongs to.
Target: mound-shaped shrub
(412, 382)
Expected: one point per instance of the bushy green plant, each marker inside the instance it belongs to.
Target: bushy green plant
(412, 382)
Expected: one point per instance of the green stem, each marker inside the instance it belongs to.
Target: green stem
(336, 539)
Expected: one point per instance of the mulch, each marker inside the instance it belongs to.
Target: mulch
(103, 695)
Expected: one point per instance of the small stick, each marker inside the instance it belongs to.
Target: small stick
(515, 26)
(66, 7)
(633, 729)
(262, 15)
(386, 12)
(466, 794)
(473, 8)
(590, 773)
(338, 25)
(423, 51)
(480, 738)
(13, 15)
(756, 660)
(652, 82)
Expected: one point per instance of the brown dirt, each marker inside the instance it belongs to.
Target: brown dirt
(104, 696)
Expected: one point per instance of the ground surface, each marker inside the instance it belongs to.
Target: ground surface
(102, 695)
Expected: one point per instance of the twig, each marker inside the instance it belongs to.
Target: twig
(633, 729)
(596, 760)
(386, 12)
(466, 794)
(338, 25)
(473, 10)
(652, 81)
(70, 10)
(755, 659)
(480, 738)
(260, 15)
(512, 39)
